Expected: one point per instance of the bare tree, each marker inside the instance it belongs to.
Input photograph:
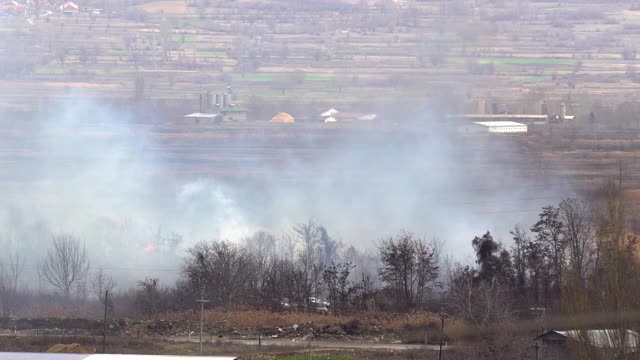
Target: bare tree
(550, 235)
(426, 270)
(262, 246)
(482, 304)
(287, 246)
(66, 263)
(148, 296)
(578, 231)
(100, 283)
(225, 270)
(340, 289)
(408, 267)
(519, 257)
(615, 277)
(309, 234)
(9, 281)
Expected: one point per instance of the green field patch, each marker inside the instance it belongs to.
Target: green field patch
(318, 77)
(183, 38)
(534, 79)
(112, 71)
(49, 70)
(216, 53)
(525, 61)
(328, 93)
(196, 22)
(118, 52)
(259, 77)
(276, 76)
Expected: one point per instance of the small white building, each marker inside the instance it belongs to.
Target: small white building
(510, 127)
(70, 8)
(350, 117)
(329, 112)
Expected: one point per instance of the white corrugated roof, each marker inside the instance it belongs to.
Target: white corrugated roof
(201, 115)
(329, 112)
(602, 338)
(498, 123)
(499, 116)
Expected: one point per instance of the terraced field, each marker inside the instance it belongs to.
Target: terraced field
(349, 54)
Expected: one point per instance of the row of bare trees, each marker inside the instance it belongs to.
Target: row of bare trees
(276, 273)
(9, 281)
(293, 271)
(300, 270)
(577, 258)
(579, 262)
(65, 268)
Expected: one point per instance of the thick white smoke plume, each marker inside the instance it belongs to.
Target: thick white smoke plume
(86, 169)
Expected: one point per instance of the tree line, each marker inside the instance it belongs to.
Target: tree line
(578, 257)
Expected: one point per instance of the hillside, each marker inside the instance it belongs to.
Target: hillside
(329, 52)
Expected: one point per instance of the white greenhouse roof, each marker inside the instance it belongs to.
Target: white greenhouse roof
(499, 123)
(201, 115)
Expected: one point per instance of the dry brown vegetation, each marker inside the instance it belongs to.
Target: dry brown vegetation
(257, 318)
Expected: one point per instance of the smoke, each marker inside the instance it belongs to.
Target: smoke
(201, 198)
(139, 195)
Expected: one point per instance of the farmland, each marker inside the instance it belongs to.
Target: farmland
(352, 55)
(327, 54)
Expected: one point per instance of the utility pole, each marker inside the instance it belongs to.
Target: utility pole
(426, 344)
(595, 132)
(620, 179)
(201, 301)
(441, 335)
(538, 312)
(104, 324)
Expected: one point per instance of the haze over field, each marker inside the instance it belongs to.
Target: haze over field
(92, 171)
(369, 177)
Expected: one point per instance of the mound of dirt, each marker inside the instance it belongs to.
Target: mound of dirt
(69, 349)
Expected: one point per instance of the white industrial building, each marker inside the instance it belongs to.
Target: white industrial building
(511, 127)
